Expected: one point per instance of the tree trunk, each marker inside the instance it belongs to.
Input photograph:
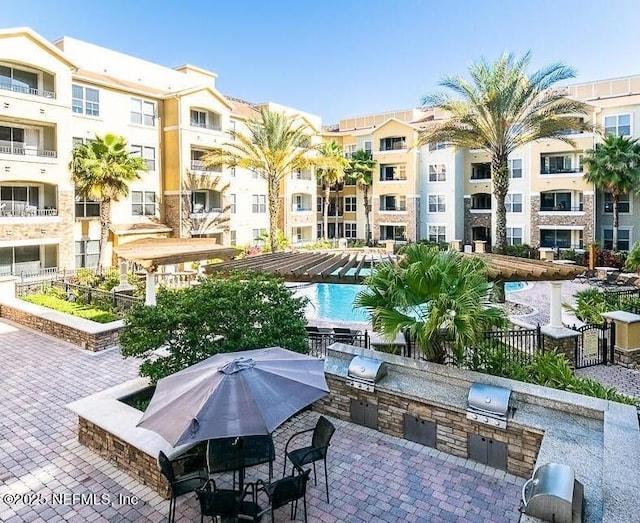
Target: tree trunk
(616, 198)
(500, 176)
(273, 192)
(326, 194)
(367, 210)
(105, 221)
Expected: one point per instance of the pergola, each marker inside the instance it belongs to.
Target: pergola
(151, 253)
(344, 267)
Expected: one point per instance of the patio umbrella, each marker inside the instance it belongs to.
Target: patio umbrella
(246, 393)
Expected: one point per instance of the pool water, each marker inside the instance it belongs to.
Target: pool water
(333, 301)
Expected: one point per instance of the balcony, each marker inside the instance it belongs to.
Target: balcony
(203, 119)
(201, 166)
(561, 170)
(561, 201)
(480, 171)
(23, 89)
(561, 208)
(9, 208)
(561, 163)
(391, 205)
(20, 148)
(481, 202)
(393, 144)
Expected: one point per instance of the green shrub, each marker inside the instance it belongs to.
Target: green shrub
(633, 259)
(522, 251)
(76, 309)
(548, 369)
(241, 312)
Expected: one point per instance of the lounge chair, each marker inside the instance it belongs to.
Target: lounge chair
(344, 335)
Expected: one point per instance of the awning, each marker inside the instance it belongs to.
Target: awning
(152, 252)
(354, 267)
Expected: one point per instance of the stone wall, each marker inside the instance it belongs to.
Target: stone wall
(172, 214)
(452, 426)
(93, 341)
(409, 218)
(474, 219)
(626, 357)
(141, 466)
(550, 219)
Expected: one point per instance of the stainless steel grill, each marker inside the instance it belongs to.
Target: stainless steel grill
(363, 373)
(488, 404)
(553, 494)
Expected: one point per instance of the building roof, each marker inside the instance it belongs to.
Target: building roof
(118, 83)
(242, 108)
(354, 267)
(152, 252)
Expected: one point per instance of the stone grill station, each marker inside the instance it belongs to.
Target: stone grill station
(428, 403)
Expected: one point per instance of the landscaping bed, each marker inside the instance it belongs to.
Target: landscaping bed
(76, 309)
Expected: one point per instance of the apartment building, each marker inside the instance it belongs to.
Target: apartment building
(55, 95)
(549, 202)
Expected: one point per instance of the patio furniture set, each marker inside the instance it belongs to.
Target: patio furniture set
(234, 402)
(607, 277)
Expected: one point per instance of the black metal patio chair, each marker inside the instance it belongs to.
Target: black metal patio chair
(287, 490)
(180, 484)
(227, 504)
(317, 451)
(344, 335)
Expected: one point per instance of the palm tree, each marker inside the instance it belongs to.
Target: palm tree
(439, 297)
(274, 146)
(330, 169)
(501, 109)
(361, 168)
(102, 170)
(614, 167)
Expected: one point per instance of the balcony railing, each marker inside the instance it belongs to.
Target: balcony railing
(27, 90)
(20, 149)
(302, 209)
(200, 211)
(13, 209)
(211, 127)
(558, 170)
(561, 208)
(481, 176)
(393, 208)
(199, 165)
(395, 146)
(480, 208)
(393, 178)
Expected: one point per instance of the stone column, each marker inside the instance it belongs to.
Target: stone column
(150, 290)
(562, 341)
(479, 245)
(627, 344)
(124, 286)
(546, 253)
(455, 245)
(555, 307)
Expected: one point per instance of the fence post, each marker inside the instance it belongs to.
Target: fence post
(366, 340)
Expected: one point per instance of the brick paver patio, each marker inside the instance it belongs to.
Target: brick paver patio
(47, 476)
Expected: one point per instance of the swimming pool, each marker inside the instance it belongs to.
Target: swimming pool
(332, 301)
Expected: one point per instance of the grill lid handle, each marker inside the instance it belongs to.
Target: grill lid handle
(530, 481)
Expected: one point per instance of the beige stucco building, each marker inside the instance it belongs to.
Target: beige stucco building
(54, 95)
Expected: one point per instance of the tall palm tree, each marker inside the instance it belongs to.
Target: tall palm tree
(274, 146)
(331, 166)
(614, 167)
(360, 170)
(501, 109)
(102, 170)
(439, 297)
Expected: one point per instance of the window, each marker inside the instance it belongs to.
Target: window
(515, 168)
(438, 146)
(437, 233)
(143, 112)
(559, 201)
(559, 164)
(233, 172)
(350, 230)
(258, 236)
(77, 141)
(389, 173)
(87, 208)
(513, 202)
(368, 147)
(480, 171)
(623, 239)
(259, 203)
(18, 80)
(350, 204)
(481, 202)
(232, 238)
(320, 229)
(85, 100)
(619, 124)
(623, 203)
(393, 203)
(438, 173)
(319, 207)
(394, 143)
(437, 203)
(87, 253)
(148, 154)
(558, 238)
(143, 203)
(514, 235)
(349, 149)
(232, 203)
(198, 118)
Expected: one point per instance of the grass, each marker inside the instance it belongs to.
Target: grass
(82, 311)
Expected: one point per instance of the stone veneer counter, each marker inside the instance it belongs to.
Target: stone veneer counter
(598, 439)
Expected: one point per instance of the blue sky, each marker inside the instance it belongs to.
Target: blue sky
(340, 58)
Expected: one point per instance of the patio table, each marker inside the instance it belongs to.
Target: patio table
(236, 454)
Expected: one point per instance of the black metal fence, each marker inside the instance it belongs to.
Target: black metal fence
(320, 340)
(79, 293)
(621, 293)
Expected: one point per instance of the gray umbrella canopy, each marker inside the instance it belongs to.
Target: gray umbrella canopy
(246, 393)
